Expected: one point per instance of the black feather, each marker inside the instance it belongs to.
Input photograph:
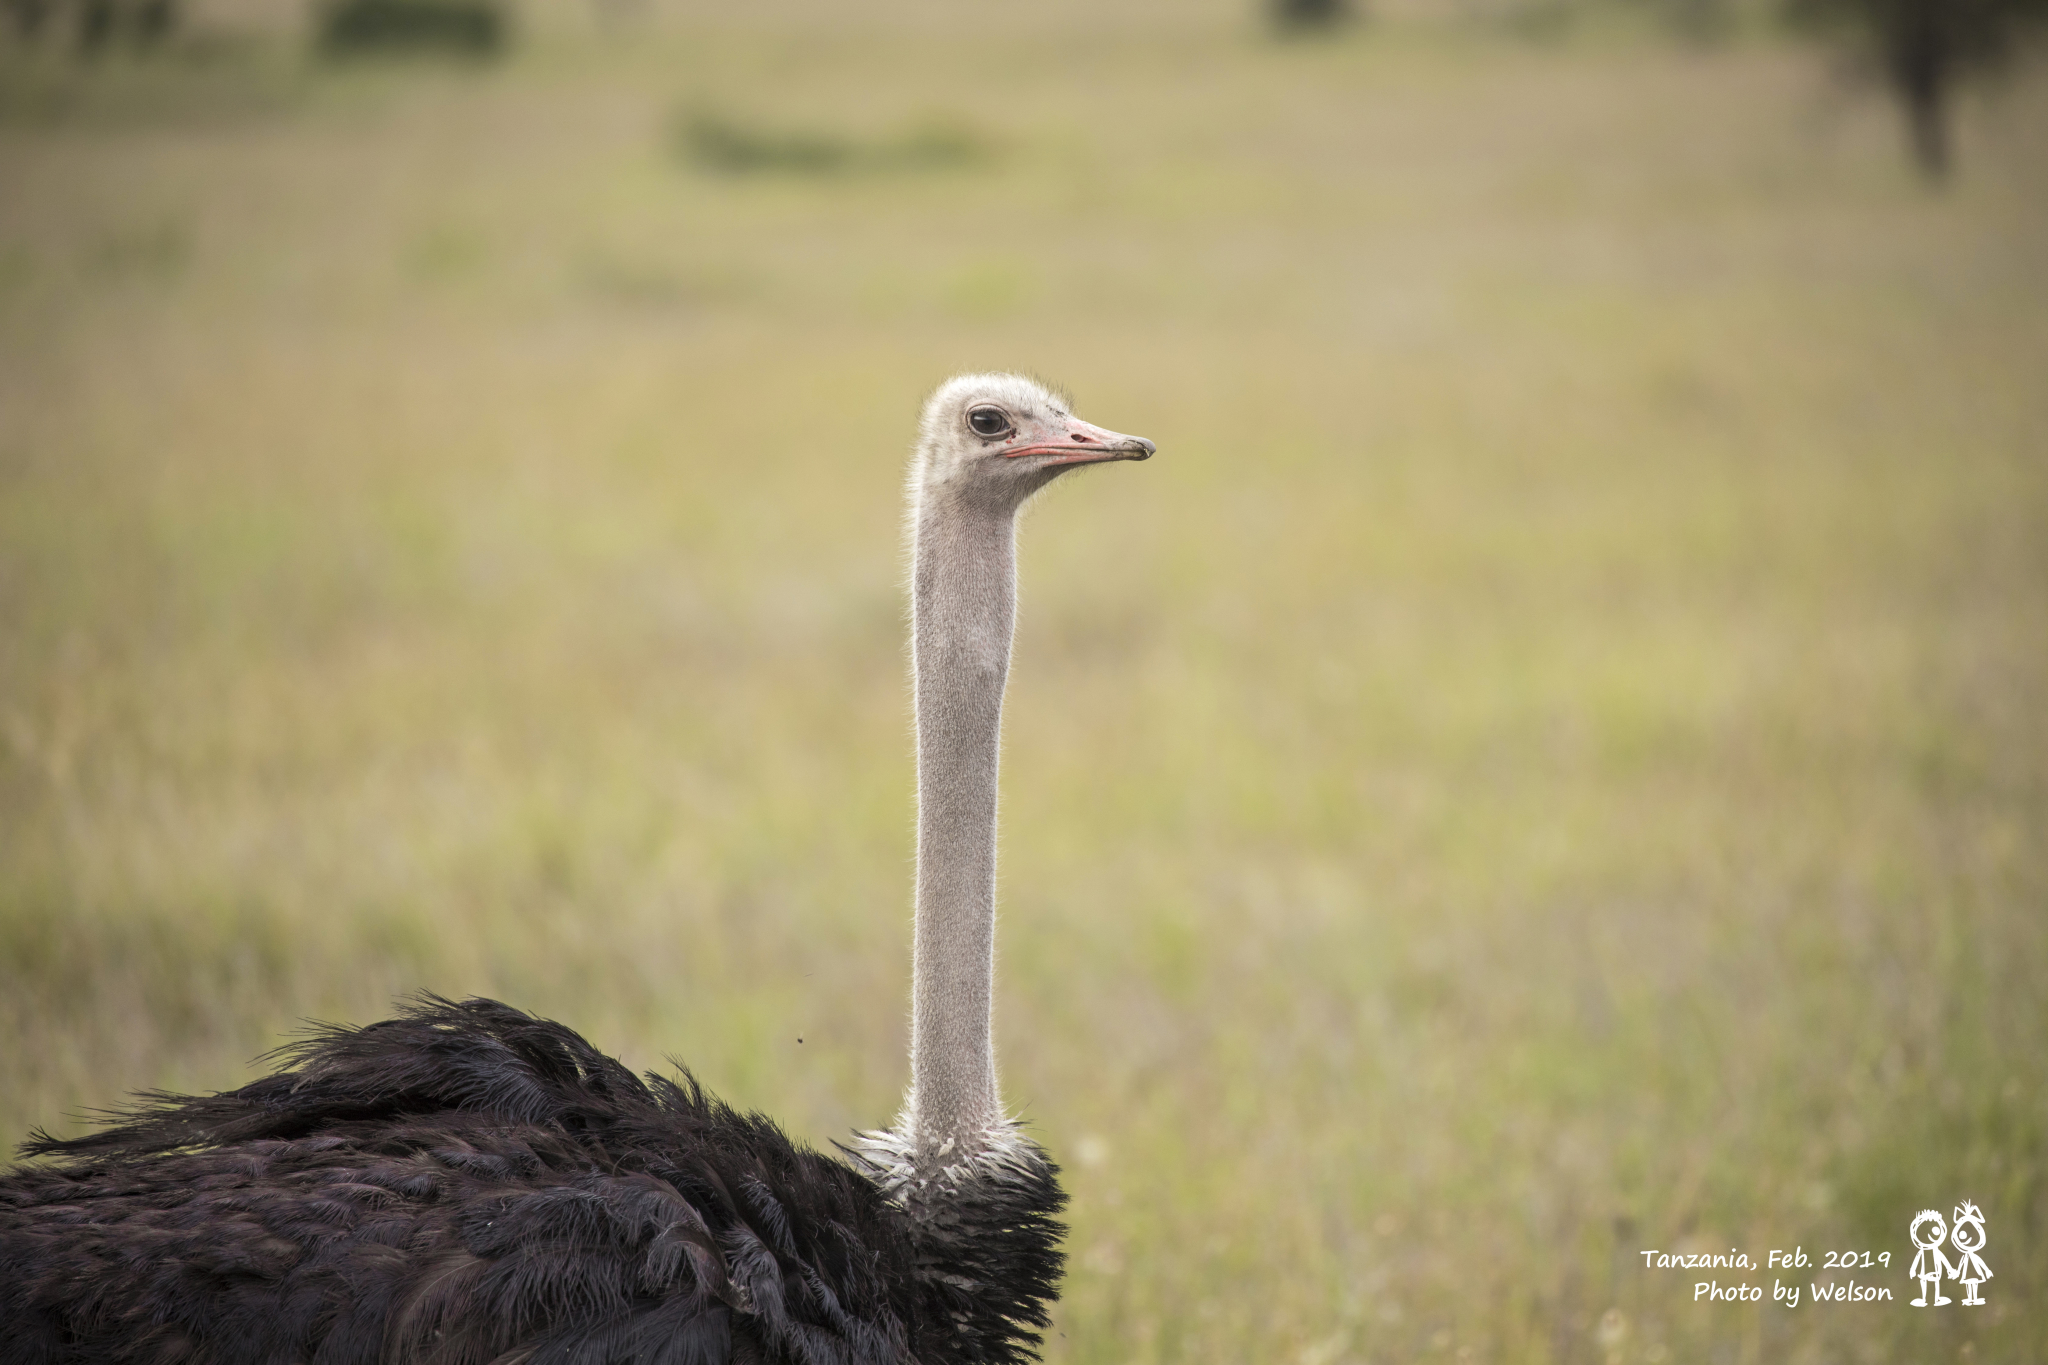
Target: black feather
(468, 1185)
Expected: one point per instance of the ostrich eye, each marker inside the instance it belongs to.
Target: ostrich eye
(988, 421)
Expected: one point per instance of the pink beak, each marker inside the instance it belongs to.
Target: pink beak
(1086, 443)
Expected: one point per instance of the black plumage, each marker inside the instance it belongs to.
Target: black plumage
(466, 1184)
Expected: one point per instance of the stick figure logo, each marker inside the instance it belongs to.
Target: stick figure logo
(1968, 1239)
(1928, 1233)
(1930, 1263)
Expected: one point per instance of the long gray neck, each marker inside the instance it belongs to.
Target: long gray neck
(963, 604)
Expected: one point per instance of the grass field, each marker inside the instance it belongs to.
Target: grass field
(1551, 761)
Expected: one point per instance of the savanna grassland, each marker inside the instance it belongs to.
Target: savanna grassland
(1550, 761)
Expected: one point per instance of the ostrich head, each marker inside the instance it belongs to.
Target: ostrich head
(992, 440)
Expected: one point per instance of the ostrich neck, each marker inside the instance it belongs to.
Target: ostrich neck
(963, 604)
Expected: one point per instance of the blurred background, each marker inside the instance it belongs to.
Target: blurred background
(1551, 761)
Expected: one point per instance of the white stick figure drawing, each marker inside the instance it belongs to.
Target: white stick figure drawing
(1928, 1233)
(1968, 1239)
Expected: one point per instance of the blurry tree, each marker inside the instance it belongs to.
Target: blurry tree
(98, 22)
(154, 20)
(28, 16)
(473, 28)
(95, 26)
(1923, 47)
(1702, 21)
(1300, 15)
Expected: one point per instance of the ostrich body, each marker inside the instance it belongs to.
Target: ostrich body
(468, 1185)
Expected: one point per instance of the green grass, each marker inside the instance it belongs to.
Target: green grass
(1548, 762)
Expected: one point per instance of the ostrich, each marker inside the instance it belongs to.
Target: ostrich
(466, 1184)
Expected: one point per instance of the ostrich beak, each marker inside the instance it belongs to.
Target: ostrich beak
(1086, 443)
